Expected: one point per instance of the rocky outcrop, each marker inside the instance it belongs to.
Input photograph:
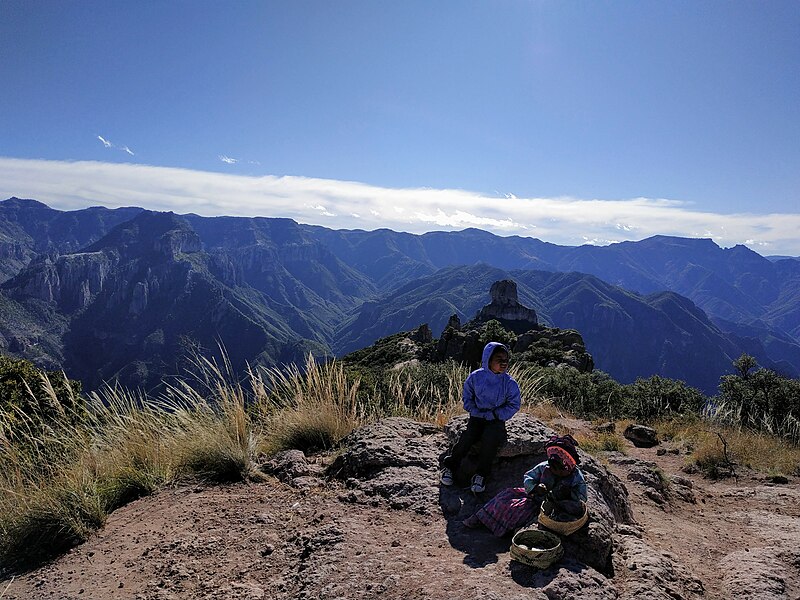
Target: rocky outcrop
(651, 575)
(544, 346)
(551, 346)
(757, 573)
(461, 346)
(537, 344)
(505, 307)
(294, 468)
(394, 462)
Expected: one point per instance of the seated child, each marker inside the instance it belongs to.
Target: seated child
(491, 397)
(556, 485)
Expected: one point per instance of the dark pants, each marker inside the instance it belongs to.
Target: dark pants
(490, 434)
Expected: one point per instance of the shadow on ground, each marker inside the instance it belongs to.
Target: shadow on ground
(530, 577)
(457, 502)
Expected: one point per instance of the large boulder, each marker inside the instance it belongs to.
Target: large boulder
(396, 461)
(526, 435)
(641, 436)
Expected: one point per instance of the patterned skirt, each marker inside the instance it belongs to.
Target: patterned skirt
(508, 510)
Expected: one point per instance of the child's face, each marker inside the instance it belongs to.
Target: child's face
(499, 362)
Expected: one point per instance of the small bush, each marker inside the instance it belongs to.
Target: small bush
(648, 399)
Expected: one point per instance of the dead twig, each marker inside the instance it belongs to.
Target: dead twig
(728, 462)
(3, 593)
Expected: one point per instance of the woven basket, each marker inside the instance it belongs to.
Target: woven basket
(536, 548)
(564, 527)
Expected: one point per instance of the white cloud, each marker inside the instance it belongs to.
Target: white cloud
(228, 159)
(570, 221)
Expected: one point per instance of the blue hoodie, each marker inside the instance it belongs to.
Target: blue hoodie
(489, 395)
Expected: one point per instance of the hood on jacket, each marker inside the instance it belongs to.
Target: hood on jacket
(488, 349)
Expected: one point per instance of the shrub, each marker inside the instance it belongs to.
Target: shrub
(583, 394)
(493, 331)
(647, 399)
(31, 397)
(761, 399)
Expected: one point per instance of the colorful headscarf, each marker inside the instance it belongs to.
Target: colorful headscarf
(557, 454)
(563, 449)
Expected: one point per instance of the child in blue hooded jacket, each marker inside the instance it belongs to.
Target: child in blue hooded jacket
(491, 397)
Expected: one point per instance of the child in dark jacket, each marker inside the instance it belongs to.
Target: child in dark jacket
(491, 397)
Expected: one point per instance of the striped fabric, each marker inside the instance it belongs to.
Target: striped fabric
(508, 510)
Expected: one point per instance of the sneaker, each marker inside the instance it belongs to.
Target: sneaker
(477, 484)
(446, 477)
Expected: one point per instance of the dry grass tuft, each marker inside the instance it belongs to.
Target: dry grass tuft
(546, 411)
(596, 442)
(61, 477)
(430, 403)
(308, 410)
(717, 449)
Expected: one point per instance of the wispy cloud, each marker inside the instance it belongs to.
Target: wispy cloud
(233, 161)
(109, 144)
(570, 221)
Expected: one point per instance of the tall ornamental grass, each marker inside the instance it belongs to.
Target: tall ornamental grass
(61, 476)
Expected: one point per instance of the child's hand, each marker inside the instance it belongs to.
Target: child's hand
(539, 491)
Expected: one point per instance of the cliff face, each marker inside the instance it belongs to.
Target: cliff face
(70, 282)
(73, 281)
(29, 229)
(142, 298)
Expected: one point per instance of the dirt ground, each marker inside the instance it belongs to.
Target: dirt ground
(267, 540)
(730, 517)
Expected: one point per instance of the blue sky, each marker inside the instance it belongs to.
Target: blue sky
(574, 122)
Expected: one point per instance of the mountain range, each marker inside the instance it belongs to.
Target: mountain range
(127, 294)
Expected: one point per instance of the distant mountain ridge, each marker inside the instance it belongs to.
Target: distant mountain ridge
(735, 286)
(29, 228)
(123, 293)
